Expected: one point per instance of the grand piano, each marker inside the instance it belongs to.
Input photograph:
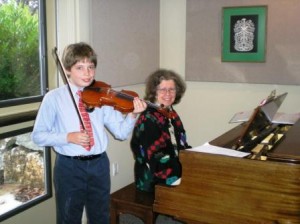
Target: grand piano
(263, 187)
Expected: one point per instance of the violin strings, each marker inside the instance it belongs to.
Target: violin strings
(146, 101)
(125, 95)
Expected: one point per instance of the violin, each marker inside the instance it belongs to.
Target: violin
(100, 93)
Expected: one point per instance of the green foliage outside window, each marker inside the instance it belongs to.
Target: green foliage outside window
(19, 51)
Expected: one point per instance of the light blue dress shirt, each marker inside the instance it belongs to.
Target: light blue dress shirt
(57, 117)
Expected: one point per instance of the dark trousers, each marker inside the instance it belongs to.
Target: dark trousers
(80, 184)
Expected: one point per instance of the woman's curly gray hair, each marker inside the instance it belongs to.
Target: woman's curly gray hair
(155, 79)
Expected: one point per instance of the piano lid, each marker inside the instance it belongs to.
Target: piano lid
(260, 124)
(254, 127)
(271, 107)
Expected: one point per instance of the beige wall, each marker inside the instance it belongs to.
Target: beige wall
(204, 44)
(205, 109)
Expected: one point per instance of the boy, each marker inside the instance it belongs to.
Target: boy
(81, 171)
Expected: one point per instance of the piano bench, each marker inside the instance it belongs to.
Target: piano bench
(129, 200)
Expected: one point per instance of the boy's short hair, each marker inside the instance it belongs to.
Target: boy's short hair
(74, 53)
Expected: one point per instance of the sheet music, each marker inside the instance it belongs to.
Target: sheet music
(279, 118)
(284, 118)
(242, 116)
(207, 148)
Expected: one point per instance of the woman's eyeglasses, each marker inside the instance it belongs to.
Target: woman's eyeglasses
(165, 91)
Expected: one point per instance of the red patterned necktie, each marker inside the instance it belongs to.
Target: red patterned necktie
(86, 120)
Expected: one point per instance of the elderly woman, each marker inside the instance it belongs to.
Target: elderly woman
(159, 136)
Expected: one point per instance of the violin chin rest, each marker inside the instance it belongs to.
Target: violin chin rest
(90, 109)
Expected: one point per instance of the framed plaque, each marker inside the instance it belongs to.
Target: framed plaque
(244, 34)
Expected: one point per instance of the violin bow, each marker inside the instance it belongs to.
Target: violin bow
(66, 81)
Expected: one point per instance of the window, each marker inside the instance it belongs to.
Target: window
(25, 173)
(23, 65)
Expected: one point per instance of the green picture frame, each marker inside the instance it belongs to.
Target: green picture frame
(244, 34)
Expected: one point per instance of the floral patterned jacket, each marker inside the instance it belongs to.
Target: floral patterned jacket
(156, 155)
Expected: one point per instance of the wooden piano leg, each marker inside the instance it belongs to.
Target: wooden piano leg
(150, 217)
(114, 217)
